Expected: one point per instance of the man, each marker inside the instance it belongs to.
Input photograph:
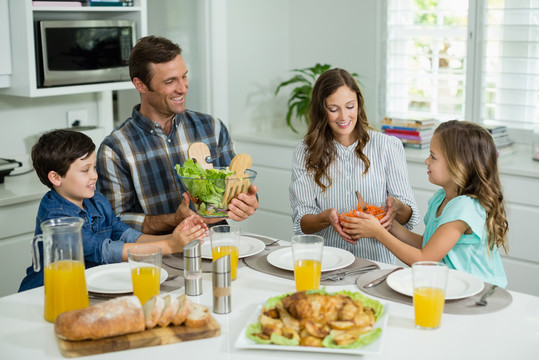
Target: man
(136, 161)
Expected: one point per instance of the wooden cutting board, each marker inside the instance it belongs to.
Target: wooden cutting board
(153, 337)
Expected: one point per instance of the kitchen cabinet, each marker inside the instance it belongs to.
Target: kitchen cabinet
(19, 201)
(23, 15)
(272, 154)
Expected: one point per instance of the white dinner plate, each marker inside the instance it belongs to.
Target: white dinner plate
(332, 258)
(112, 278)
(374, 348)
(248, 247)
(459, 284)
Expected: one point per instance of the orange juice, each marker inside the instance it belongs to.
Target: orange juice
(428, 306)
(218, 252)
(65, 288)
(146, 282)
(307, 274)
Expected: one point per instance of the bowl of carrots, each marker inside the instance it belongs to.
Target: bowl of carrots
(376, 210)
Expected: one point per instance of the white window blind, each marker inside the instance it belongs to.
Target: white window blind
(510, 76)
(457, 59)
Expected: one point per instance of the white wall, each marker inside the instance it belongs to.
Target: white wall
(267, 39)
(22, 119)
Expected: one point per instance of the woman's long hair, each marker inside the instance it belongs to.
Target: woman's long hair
(473, 162)
(321, 150)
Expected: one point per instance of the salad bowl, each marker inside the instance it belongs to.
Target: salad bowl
(206, 187)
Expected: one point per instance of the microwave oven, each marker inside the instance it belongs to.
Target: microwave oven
(83, 51)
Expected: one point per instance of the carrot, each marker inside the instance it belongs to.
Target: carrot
(376, 211)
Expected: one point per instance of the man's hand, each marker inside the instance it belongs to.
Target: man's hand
(244, 205)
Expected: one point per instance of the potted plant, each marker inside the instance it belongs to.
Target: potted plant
(300, 97)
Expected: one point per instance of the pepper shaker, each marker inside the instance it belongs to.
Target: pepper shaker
(221, 279)
(192, 261)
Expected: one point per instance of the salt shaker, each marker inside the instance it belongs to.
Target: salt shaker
(192, 262)
(222, 279)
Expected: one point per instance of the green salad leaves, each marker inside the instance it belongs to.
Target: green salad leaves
(206, 187)
(362, 340)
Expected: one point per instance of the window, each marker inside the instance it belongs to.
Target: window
(463, 59)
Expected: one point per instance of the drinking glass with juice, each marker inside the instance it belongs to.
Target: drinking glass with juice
(145, 263)
(428, 306)
(146, 282)
(307, 274)
(430, 281)
(218, 252)
(225, 239)
(307, 257)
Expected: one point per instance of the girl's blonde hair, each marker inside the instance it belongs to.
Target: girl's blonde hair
(473, 163)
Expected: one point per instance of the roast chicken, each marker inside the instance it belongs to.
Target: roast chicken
(311, 317)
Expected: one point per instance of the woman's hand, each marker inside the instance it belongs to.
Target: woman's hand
(335, 222)
(393, 207)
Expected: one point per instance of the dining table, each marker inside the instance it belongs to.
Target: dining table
(511, 332)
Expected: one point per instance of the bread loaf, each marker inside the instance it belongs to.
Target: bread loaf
(183, 310)
(153, 309)
(114, 317)
(124, 315)
(198, 316)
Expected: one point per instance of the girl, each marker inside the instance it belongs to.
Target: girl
(465, 222)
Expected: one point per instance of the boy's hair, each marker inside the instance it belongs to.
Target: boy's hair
(57, 150)
(150, 50)
(473, 163)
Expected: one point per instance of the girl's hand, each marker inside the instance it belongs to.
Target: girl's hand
(333, 219)
(392, 211)
(363, 225)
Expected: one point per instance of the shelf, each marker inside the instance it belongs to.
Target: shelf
(22, 16)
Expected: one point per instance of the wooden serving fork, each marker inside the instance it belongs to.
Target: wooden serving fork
(200, 152)
(237, 183)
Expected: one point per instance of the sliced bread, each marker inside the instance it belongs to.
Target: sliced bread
(153, 309)
(183, 310)
(170, 310)
(198, 316)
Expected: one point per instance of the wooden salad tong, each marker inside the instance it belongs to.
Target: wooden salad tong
(200, 152)
(238, 182)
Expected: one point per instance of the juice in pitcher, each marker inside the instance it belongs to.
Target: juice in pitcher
(307, 274)
(146, 282)
(220, 251)
(65, 288)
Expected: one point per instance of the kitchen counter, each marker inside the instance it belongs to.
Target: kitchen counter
(21, 188)
(512, 332)
(520, 163)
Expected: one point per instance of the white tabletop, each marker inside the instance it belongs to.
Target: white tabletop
(511, 333)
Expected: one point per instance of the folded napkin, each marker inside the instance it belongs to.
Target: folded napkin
(260, 263)
(466, 306)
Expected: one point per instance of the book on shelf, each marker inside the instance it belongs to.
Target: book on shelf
(495, 129)
(413, 137)
(395, 130)
(410, 123)
(417, 146)
(57, 3)
(110, 2)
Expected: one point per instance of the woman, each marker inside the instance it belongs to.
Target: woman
(340, 155)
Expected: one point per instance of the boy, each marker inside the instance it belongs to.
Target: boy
(65, 161)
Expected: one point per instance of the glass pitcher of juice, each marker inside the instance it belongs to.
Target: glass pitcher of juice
(63, 264)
